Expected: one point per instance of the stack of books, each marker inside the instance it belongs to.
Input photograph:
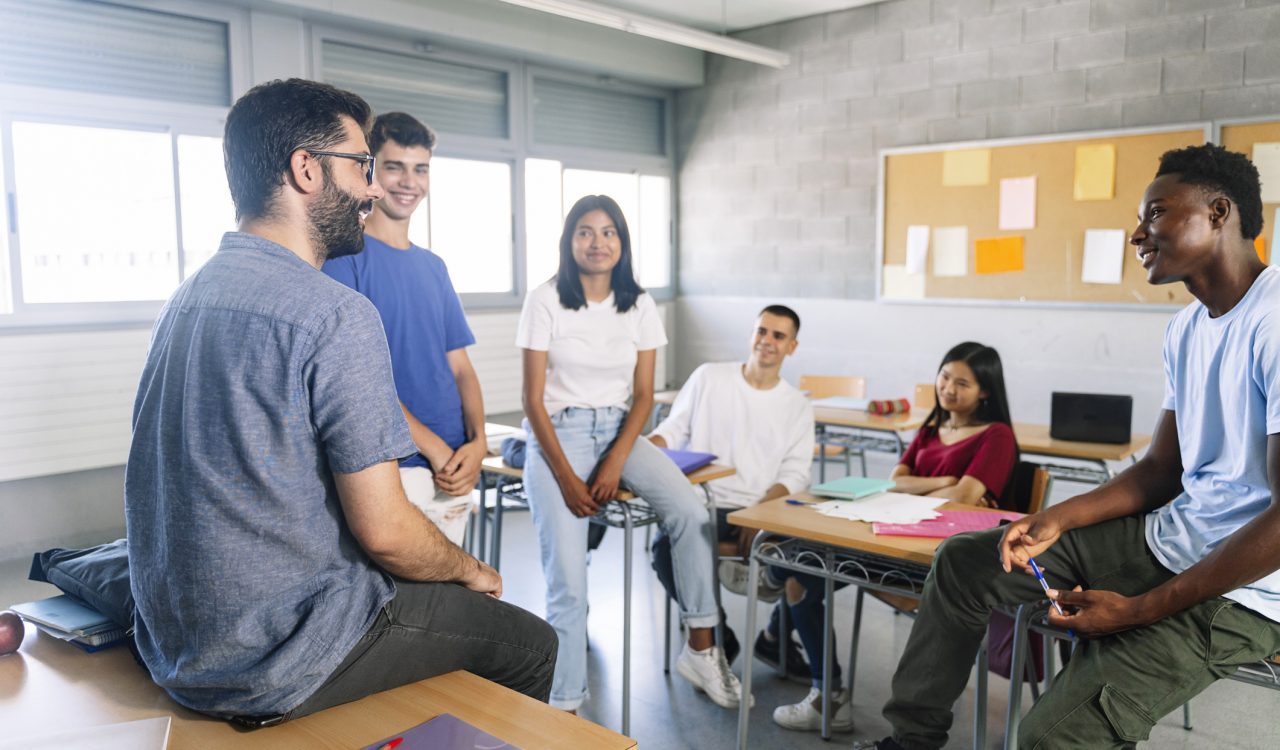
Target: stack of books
(68, 620)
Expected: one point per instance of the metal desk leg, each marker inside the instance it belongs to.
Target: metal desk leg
(496, 553)
(822, 453)
(744, 700)
(828, 599)
(1021, 635)
(484, 516)
(626, 622)
(784, 635)
(857, 633)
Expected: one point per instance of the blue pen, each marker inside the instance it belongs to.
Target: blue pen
(1045, 585)
(793, 501)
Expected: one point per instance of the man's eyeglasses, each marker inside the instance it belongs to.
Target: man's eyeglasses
(366, 159)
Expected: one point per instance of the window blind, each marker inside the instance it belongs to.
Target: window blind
(113, 49)
(569, 114)
(450, 97)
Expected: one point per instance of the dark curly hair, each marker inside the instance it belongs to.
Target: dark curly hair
(1214, 168)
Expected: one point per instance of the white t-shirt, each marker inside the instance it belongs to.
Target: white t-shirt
(767, 436)
(591, 351)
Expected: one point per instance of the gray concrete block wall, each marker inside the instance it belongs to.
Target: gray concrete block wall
(778, 168)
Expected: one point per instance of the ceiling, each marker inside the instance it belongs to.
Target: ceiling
(731, 15)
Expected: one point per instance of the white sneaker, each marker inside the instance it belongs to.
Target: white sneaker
(734, 575)
(709, 672)
(807, 714)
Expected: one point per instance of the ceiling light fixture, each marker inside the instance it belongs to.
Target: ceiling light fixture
(655, 28)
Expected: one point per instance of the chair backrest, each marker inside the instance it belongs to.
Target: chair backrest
(825, 386)
(926, 396)
(1028, 488)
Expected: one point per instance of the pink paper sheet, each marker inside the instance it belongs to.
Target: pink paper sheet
(950, 523)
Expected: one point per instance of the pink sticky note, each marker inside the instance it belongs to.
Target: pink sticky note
(1018, 203)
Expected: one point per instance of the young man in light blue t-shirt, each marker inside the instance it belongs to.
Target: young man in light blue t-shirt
(1168, 572)
(426, 329)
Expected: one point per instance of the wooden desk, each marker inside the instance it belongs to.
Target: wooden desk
(836, 549)
(49, 685)
(892, 425)
(1033, 439)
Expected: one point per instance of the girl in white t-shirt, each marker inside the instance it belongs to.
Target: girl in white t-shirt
(590, 337)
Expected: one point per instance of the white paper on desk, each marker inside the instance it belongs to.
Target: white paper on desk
(1103, 256)
(917, 247)
(144, 734)
(950, 251)
(886, 507)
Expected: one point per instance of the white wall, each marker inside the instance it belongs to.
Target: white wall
(897, 346)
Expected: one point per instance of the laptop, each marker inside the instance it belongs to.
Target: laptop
(1091, 417)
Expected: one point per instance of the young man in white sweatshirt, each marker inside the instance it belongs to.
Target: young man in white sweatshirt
(751, 419)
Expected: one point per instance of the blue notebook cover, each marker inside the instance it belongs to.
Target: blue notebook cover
(688, 461)
(445, 732)
(852, 488)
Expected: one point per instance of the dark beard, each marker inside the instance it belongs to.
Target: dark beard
(335, 223)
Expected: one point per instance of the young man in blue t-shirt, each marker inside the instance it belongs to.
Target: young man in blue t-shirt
(1168, 572)
(426, 329)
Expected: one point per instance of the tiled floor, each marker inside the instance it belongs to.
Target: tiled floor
(668, 715)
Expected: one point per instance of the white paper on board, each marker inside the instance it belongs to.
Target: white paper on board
(1018, 203)
(1103, 256)
(898, 284)
(1266, 157)
(917, 247)
(951, 251)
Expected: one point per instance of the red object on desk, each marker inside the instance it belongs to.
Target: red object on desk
(950, 523)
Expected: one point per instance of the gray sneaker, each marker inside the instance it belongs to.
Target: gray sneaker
(734, 575)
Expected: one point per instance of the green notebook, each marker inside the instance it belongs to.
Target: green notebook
(852, 488)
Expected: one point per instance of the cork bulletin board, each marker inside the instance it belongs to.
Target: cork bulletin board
(1044, 267)
(1241, 136)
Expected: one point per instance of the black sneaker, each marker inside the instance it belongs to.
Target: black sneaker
(888, 743)
(766, 650)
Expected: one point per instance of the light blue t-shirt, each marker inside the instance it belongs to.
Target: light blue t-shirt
(1222, 380)
(424, 322)
(264, 377)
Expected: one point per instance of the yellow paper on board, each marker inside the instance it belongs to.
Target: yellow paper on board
(968, 167)
(998, 254)
(1095, 172)
(1260, 245)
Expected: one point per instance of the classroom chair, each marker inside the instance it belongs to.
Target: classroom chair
(926, 396)
(826, 386)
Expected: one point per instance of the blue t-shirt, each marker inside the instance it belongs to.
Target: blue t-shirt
(263, 378)
(1222, 381)
(424, 322)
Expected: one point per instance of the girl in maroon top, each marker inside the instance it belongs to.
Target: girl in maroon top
(965, 451)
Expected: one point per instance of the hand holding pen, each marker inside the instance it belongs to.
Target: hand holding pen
(1048, 591)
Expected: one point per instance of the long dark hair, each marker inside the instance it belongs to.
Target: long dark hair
(622, 281)
(985, 363)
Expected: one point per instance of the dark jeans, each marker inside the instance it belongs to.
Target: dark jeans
(430, 629)
(808, 615)
(1114, 688)
(725, 532)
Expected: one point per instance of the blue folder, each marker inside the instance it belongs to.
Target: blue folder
(688, 461)
(445, 732)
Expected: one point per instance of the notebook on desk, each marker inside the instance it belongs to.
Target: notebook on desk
(1091, 417)
(852, 488)
(688, 461)
(445, 732)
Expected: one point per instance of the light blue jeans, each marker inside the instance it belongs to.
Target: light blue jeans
(585, 436)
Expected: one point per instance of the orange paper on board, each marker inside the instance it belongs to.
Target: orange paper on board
(998, 254)
(1260, 245)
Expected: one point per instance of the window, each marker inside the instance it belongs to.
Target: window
(206, 208)
(467, 222)
(645, 201)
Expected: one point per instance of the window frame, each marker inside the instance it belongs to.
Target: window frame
(23, 103)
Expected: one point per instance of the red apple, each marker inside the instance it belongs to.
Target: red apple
(11, 632)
